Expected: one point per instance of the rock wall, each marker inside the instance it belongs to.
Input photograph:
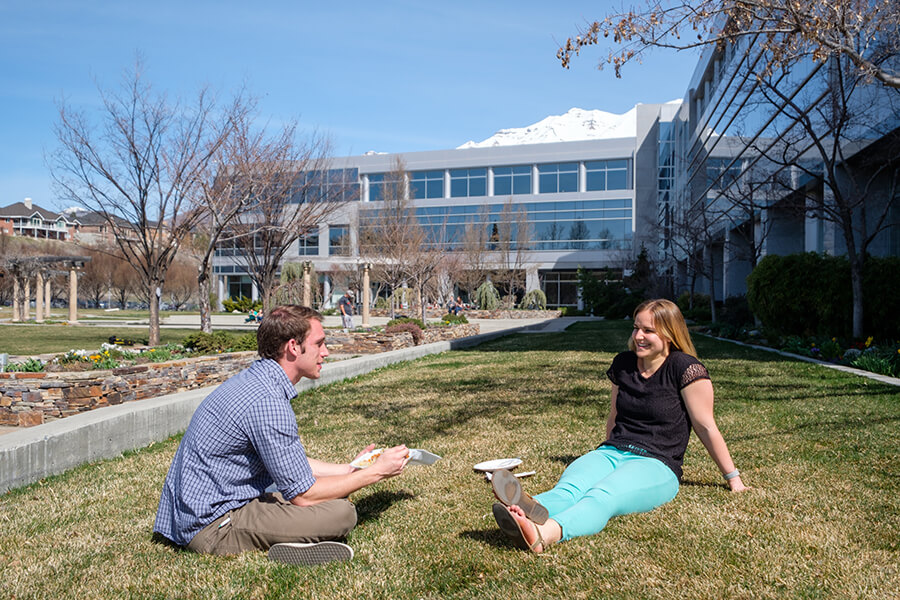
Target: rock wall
(28, 399)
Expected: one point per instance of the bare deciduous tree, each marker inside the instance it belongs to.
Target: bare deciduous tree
(862, 31)
(390, 235)
(475, 253)
(511, 250)
(138, 166)
(288, 190)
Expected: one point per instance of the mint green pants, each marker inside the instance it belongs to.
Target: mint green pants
(605, 483)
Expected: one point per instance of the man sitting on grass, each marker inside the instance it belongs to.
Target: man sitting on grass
(243, 438)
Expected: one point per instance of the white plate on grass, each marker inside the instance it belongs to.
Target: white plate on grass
(489, 466)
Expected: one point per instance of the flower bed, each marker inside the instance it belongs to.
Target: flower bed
(882, 358)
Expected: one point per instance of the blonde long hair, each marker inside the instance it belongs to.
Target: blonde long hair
(669, 323)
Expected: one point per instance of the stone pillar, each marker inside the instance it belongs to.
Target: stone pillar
(220, 292)
(307, 290)
(15, 313)
(47, 294)
(366, 296)
(73, 295)
(26, 306)
(326, 295)
(39, 298)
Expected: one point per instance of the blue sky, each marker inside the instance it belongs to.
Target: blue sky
(389, 76)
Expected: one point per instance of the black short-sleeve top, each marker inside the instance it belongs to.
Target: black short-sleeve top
(651, 418)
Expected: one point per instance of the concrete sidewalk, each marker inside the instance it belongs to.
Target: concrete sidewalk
(29, 454)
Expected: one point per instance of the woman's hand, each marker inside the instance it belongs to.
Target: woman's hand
(737, 485)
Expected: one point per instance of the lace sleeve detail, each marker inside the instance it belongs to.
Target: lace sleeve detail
(692, 373)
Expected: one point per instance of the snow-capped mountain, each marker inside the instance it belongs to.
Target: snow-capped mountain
(577, 124)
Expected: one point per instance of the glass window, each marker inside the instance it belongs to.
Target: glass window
(339, 240)
(558, 177)
(240, 286)
(601, 175)
(468, 182)
(376, 187)
(333, 185)
(720, 173)
(309, 244)
(510, 181)
(426, 184)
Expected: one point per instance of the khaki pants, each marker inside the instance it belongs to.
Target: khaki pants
(270, 519)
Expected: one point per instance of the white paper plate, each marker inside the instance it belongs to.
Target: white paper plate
(422, 457)
(489, 466)
(367, 459)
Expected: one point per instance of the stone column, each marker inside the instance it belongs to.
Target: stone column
(39, 298)
(15, 313)
(73, 295)
(307, 290)
(327, 293)
(26, 306)
(47, 294)
(366, 296)
(220, 292)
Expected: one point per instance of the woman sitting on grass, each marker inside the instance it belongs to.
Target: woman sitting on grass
(659, 392)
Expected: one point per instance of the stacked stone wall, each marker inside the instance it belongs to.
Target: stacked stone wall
(33, 398)
(28, 399)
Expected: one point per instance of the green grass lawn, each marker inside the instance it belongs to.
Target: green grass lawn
(818, 447)
(59, 338)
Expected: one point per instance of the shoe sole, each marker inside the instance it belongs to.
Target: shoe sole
(508, 490)
(310, 554)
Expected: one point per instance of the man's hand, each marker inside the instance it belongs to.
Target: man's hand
(368, 448)
(391, 462)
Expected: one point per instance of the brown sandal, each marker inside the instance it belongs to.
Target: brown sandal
(508, 490)
(513, 529)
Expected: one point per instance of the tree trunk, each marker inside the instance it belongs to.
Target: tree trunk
(205, 308)
(712, 286)
(857, 288)
(154, 312)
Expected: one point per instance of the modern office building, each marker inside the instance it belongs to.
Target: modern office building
(708, 185)
(589, 203)
(796, 161)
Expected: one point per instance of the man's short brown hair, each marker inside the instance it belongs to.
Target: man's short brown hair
(281, 324)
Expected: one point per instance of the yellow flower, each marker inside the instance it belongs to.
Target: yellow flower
(869, 341)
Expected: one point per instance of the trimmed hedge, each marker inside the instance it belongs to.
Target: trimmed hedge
(810, 294)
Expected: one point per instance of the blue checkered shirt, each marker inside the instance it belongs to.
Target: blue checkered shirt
(241, 439)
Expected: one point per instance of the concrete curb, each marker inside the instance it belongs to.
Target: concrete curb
(31, 454)
(853, 371)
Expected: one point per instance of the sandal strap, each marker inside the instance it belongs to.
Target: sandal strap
(539, 540)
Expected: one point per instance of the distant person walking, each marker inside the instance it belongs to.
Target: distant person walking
(345, 304)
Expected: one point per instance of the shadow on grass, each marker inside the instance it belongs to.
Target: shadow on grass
(371, 507)
(612, 337)
(565, 459)
(158, 538)
(488, 537)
